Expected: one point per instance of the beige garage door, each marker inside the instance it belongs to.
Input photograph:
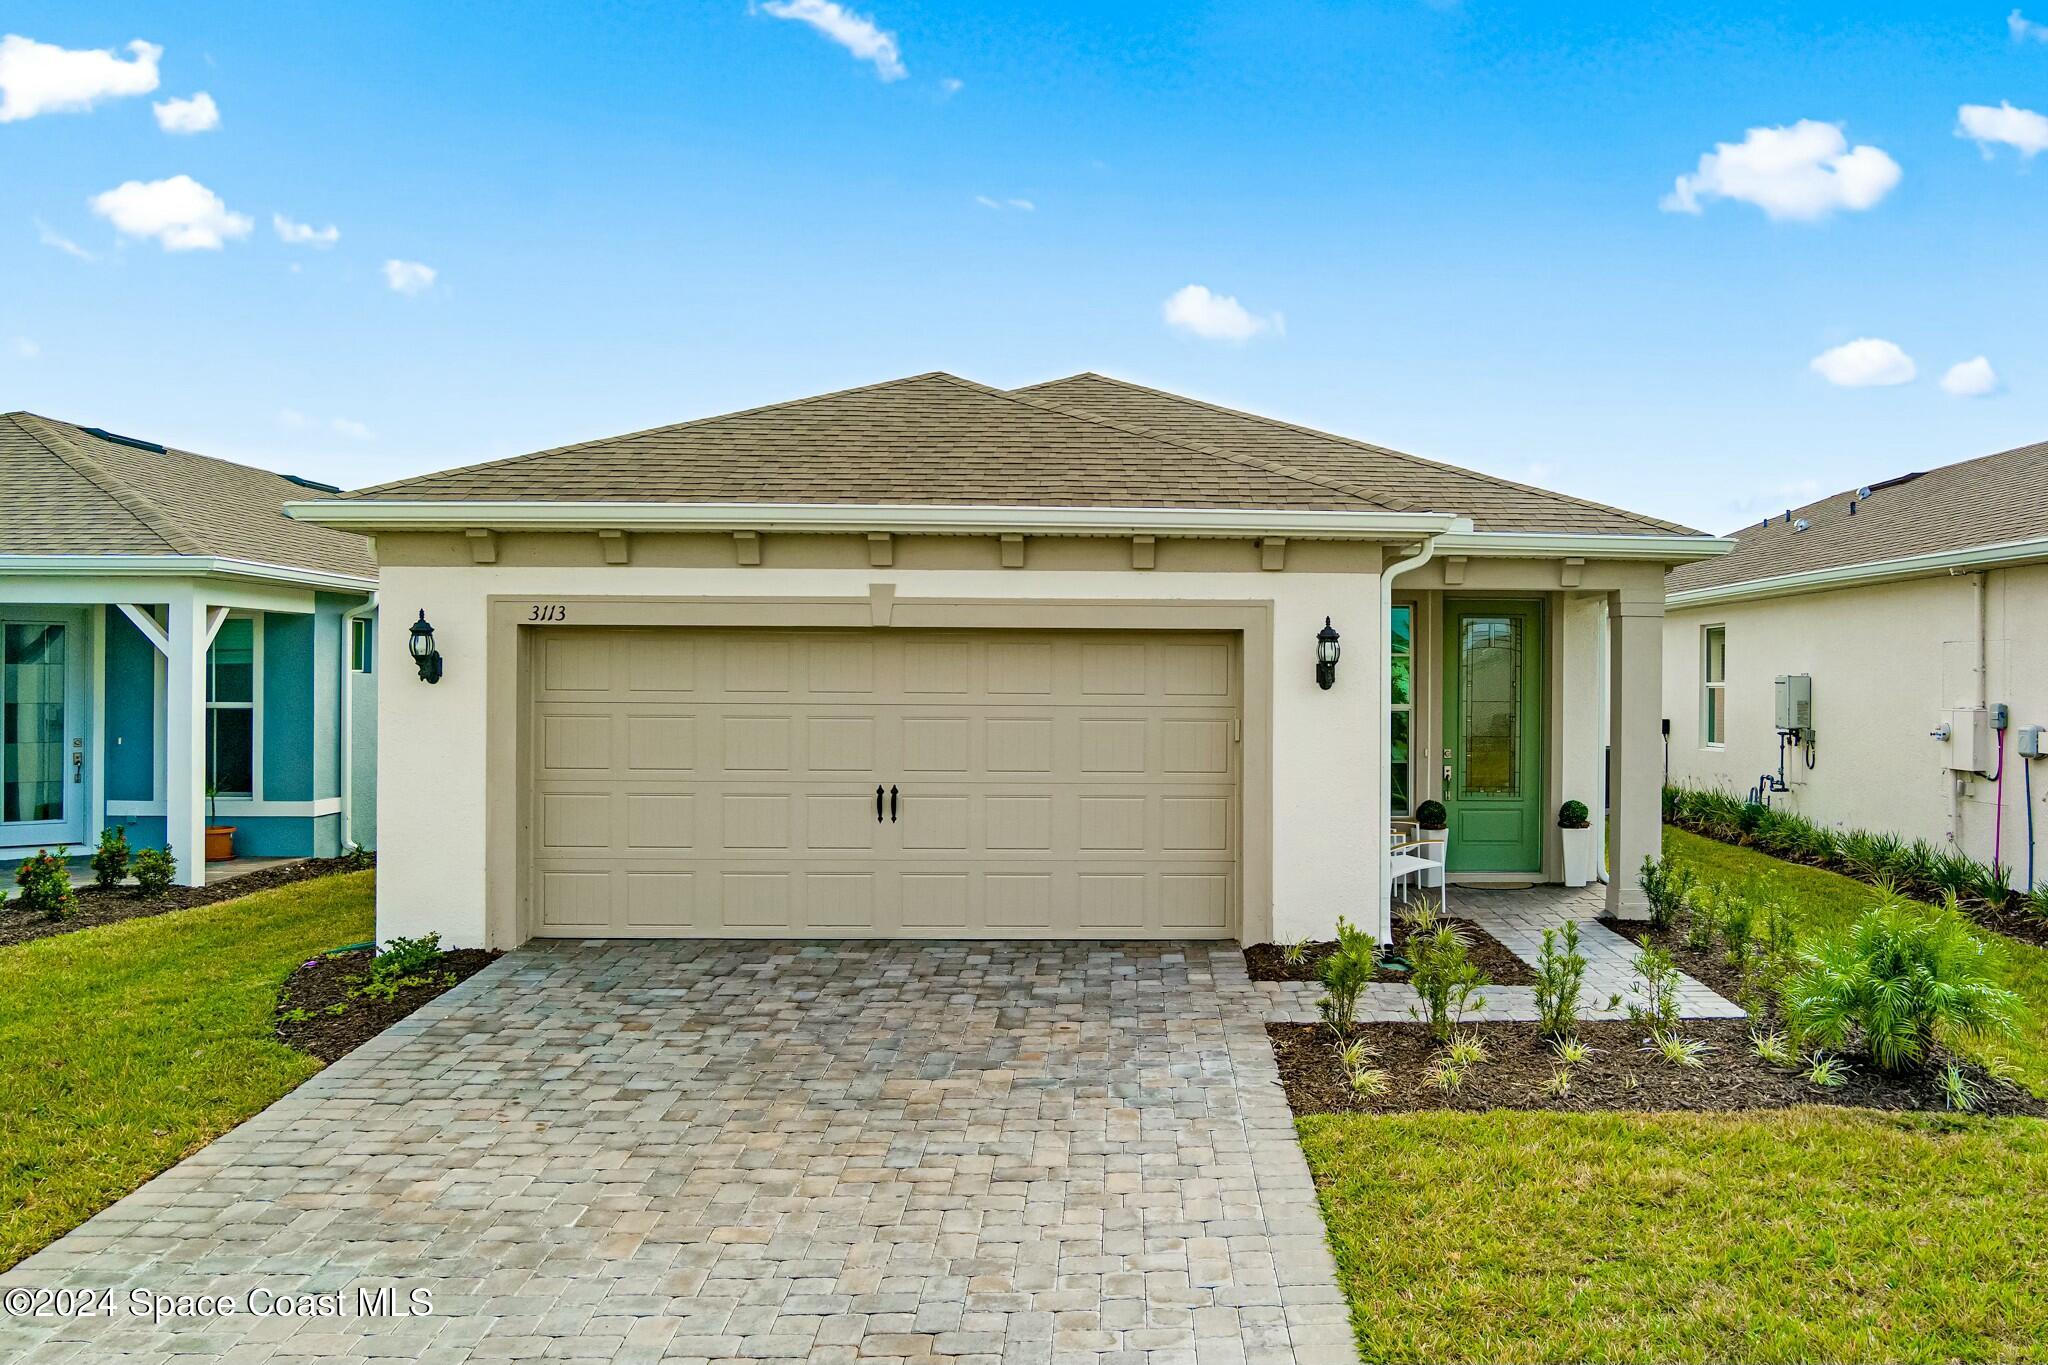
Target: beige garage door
(1004, 784)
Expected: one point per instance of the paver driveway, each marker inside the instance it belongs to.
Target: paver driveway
(825, 1152)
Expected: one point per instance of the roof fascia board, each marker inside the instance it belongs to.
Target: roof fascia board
(1876, 571)
(180, 566)
(1667, 549)
(368, 515)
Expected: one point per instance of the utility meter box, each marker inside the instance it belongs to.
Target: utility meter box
(1795, 703)
(1970, 740)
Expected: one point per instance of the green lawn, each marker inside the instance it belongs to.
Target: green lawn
(1828, 901)
(1807, 1234)
(126, 1047)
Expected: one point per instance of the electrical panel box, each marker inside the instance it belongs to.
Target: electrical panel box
(1795, 703)
(2029, 741)
(1970, 740)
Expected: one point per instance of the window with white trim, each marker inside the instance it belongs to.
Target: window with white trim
(231, 709)
(1714, 685)
(359, 643)
(1401, 702)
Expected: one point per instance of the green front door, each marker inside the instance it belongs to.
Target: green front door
(1493, 734)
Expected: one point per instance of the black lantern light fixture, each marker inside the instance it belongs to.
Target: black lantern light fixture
(420, 642)
(1327, 652)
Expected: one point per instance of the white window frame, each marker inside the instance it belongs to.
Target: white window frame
(1406, 708)
(1710, 685)
(254, 706)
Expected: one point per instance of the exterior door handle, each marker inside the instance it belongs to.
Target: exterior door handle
(878, 803)
(892, 805)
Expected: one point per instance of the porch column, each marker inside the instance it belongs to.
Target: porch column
(1635, 690)
(185, 737)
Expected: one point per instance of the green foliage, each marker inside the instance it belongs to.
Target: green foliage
(1958, 1091)
(1296, 953)
(1669, 888)
(1345, 973)
(1560, 975)
(1829, 1073)
(1432, 815)
(1466, 1050)
(2036, 901)
(110, 860)
(1903, 979)
(1678, 1050)
(1445, 979)
(1573, 815)
(1653, 994)
(1570, 1051)
(1772, 1047)
(404, 962)
(155, 870)
(45, 884)
(356, 858)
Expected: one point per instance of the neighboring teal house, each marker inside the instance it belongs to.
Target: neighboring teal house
(164, 630)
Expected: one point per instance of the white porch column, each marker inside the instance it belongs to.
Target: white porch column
(185, 736)
(1635, 690)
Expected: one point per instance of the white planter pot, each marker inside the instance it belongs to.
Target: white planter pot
(1439, 840)
(1581, 855)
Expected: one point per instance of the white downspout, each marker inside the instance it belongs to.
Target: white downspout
(1384, 661)
(348, 716)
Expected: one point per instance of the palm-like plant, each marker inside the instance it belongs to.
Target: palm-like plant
(1905, 979)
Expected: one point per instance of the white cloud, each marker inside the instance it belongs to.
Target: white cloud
(1803, 172)
(1215, 317)
(856, 33)
(1021, 205)
(198, 114)
(1970, 378)
(2025, 30)
(951, 86)
(24, 349)
(304, 234)
(409, 277)
(42, 78)
(1984, 125)
(179, 212)
(354, 430)
(50, 237)
(1867, 362)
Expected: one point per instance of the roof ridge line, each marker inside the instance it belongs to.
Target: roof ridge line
(1374, 500)
(1388, 451)
(505, 460)
(81, 462)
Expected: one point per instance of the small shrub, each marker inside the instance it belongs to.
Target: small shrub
(1705, 924)
(1445, 1074)
(1559, 1086)
(1444, 978)
(1992, 884)
(1680, 1051)
(1570, 1051)
(402, 963)
(1655, 990)
(1370, 1082)
(110, 860)
(1737, 923)
(1560, 975)
(1467, 1050)
(1356, 1053)
(1829, 1073)
(1958, 1091)
(155, 871)
(1772, 1048)
(1296, 953)
(1903, 980)
(1432, 815)
(355, 858)
(1574, 815)
(1345, 973)
(45, 884)
(2036, 902)
(1669, 888)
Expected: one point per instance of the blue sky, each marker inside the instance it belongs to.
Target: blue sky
(1450, 228)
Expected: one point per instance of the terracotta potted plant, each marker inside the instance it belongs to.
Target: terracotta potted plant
(1434, 822)
(1581, 843)
(220, 839)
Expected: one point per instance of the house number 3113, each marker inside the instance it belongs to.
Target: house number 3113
(548, 611)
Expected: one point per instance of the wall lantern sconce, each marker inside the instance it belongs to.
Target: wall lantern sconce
(420, 642)
(1327, 650)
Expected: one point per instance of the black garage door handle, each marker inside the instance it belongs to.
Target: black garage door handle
(878, 803)
(892, 805)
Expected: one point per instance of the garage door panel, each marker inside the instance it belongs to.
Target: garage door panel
(722, 782)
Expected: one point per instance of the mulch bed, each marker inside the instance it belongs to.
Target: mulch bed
(109, 906)
(1619, 1076)
(1267, 961)
(2011, 919)
(1708, 966)
(318, 985)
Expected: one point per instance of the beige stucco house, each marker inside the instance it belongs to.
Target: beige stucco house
(935, 659)
(1912, 610)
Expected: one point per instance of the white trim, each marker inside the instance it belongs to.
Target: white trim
(216, 617)
(1383, 685)
(234, 805)
(96, 698)
(1671, 549)
(182, 566)
(145, 623)
(366, 612)
(1876, 571)
(852, 518)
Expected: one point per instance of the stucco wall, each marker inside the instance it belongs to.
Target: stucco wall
(1888, 661)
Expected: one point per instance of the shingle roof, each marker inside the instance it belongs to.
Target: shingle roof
(70, 492)
(1987, 501)
(936, 439)
(1494, 504)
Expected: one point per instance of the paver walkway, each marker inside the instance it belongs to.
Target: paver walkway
(989, 1154)
(1518, 918)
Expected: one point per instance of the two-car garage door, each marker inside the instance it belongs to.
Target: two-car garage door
(931, 784)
